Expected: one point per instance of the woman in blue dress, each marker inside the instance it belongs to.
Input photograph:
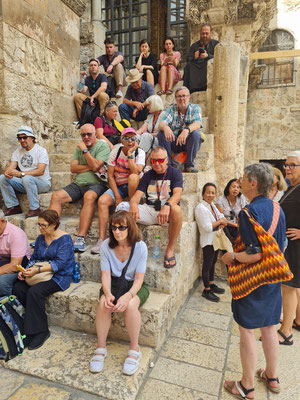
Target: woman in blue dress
(53, 252)
(262, 307)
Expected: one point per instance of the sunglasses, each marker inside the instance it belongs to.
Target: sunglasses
(158, 160)
(110, 104)
(121, 228)
(290, 166)
(89, 134)
(22, 138)
(129, 138)
(232, 214)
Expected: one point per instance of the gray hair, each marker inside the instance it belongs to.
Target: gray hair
(263, 174)
(295, 153)
(155, 103)
(1, 214)
(182, 88)
(159, 148)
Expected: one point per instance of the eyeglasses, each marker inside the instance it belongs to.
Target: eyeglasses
(232, 214)
(43, 226)
(182, 97)
(22, 138)
(290, 166)
(129, 138)
(89, 134)
(120, 227)
(158, 160)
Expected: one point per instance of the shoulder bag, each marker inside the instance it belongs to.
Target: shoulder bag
(271, 268)
(41, 277)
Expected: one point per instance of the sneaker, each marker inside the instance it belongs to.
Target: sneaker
(79, 244)
(119, 94)
(208, 294)
(97, 361)
(216, 289)
(131, 365)
(191, 169)
(97, 247)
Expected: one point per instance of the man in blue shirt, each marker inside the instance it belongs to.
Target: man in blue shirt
(134, 104)
(180, 129)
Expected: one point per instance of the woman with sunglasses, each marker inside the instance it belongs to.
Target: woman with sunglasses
(124, 248)
(105, 125)
(53, 252)
(230, 204)
(146, 63)
(169, 61)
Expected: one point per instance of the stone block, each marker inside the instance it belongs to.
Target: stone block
(14, 49)
(9, 383)
(242, 33)
(216, 16)
(61, 15)
(66, 146)
(188, 204)
(63, 109)
(205, 158)
(9, 125)
(60, 180)
(60, 162)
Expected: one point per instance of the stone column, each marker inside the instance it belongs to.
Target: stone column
(224, 109)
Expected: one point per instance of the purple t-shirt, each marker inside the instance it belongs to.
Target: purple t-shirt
(172, 179)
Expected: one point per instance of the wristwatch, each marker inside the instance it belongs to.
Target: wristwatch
(168, 204)
(130, 157)
(188, 129)
(22, 174)
(84, 151)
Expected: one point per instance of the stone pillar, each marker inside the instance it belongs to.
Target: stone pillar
(224, 109)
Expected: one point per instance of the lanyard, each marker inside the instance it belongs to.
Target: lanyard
(214, 213)
(154, 123)
(158, 190)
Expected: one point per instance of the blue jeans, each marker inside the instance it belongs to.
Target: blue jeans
(31, 185)
(126, 113)
(192, 146)
(7, 282)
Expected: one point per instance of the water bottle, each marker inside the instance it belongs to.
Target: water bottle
(156, 248)
(81, 84)
(76, 273)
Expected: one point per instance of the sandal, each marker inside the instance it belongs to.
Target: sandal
(168, 259)
(241, 389)
(169, 91)
(97, 361)
(261, 373)
(287, 340)
(296, 326)
(161, 92)
(131, 365)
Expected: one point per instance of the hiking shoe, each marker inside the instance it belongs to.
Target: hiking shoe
(208, 294)
(97, 247)
(191, 169)
(79, 244)
(216, 289)
(119, 94)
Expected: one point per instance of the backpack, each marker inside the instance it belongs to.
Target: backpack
(88, 113)
(11, 328)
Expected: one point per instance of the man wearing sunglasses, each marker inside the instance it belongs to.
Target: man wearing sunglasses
(89, 157)
(28, 172)
(163, 188)
(180, 129)
(125, 165)
(96, 84)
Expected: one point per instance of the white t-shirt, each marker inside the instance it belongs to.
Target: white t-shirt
(122, 170)
(29, 160)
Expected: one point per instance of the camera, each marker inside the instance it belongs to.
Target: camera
(201, 50)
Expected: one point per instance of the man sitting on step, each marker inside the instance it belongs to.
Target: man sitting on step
(28, 172)
(89, 157)
(163, 188)
(14, 250)
(125, 165)
(180, 129)
(96, 84)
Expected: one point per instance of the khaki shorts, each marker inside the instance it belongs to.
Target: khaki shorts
(148, 215)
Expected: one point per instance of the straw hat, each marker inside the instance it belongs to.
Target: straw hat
(133, 75)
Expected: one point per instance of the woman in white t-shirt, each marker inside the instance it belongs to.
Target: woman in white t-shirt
(209, 220)
(123, 259)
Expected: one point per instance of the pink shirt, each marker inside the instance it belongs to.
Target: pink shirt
(13, 243)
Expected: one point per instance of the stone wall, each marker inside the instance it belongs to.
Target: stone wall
(39, 69)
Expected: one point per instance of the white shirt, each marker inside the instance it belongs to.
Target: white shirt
(29, 160)
(205, 218)
(149, 122)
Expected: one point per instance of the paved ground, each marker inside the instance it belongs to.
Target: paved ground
(201, 350)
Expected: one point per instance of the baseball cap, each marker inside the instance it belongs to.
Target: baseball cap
(128, 130)
(25, 130)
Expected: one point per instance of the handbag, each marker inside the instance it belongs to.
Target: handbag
(271, 268)
(120, 285)
(41, 277)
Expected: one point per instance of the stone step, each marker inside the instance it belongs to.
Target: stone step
(64, 360)
(75, 309)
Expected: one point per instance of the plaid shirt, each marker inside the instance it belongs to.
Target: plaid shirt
(178, 121)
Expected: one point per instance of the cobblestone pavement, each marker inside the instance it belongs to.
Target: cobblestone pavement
(202, 350)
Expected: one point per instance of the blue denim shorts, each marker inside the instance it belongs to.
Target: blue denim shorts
(123, 190)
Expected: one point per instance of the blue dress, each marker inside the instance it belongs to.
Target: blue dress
(262, 307)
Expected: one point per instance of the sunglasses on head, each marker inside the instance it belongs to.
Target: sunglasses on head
(89, 134)
(158, 160)
(129, 138)
(110, 104)
(120, 227)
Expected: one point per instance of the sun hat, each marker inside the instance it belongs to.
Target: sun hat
(25, 130)
(128, 130)
(133, 75)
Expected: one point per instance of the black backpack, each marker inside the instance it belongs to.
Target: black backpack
(88, 113)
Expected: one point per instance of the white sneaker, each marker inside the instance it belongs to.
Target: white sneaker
(97, 361)
(97, 247)
(119, 94)
(131, 365)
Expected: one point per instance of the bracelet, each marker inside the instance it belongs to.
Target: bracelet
(233, 257)
(132, 295)
(39, 268)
